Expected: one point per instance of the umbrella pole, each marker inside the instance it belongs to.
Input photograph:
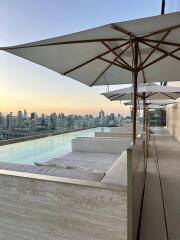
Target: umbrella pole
(147, 130)
(135, 75)
(144, 113)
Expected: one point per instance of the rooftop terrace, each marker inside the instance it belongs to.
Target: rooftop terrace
(161, 208)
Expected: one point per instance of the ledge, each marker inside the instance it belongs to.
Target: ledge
(63, 180)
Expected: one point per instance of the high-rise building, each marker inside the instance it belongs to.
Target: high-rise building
(53, 120)
(25, 116)
(102, 118)
(9, 121)
(33, 115)
(1, 120)
(43, 120)
(19, 120)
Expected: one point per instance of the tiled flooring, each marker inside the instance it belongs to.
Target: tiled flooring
(161, 207)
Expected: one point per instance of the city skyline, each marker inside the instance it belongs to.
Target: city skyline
(28, 113)
(70, 112)
(27, 85)
(26, 124)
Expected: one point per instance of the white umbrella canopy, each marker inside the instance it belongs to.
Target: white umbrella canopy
(163, 102)
(152, 104)
(149, 91)
(106, 55)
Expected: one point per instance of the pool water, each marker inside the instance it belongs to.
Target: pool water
(43, 149)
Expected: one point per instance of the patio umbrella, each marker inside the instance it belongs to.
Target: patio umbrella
(145, 91)
(162, 102)
(152, 104)
(149, 105)
(146, 49)
(150, 91)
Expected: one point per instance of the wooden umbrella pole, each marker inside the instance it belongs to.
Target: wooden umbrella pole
(135, 75)
(144, 113)
(147, 120)
(147, 130)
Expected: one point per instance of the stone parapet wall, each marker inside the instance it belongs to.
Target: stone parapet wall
(173, 120)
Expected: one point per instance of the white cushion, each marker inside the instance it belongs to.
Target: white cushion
(98, 161)
(83, 174)
(100, 145)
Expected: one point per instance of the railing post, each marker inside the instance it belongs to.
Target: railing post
(135, 75)
(130, 194)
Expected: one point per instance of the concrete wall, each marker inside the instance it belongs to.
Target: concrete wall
(53, 208)
(49, 208)
(173, 120)
(173, 116)
(136, 180)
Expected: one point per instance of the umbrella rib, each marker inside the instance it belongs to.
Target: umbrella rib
(151, 94)
(120, 64)
(101, 74)
(118, 97)
(160, 58)
(162, 30)
(113, 63)
(114, 26)
(140, 58)
(113, 99)
(92, 59)
(160, 49)
(114, 95)
(122, 30)
(155, 48)
(168, 95)
(156, 41)
(105, 70)
(108, 47)
(139, 95)
(116, 64)
(64, 43)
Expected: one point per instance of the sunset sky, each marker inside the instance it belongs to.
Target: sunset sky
(25, 85)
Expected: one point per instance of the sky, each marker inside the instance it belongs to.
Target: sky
(25, 85)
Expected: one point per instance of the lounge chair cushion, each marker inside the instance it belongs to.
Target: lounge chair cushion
(100, 145)
(84, 174)
(98, 161)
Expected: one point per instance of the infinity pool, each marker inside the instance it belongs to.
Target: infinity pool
(43, 149)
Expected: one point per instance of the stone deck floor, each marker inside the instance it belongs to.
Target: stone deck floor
(161, 206)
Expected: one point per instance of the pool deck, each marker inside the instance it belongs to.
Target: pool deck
(161, 206)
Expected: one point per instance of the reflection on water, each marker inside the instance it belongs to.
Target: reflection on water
(41, 150)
